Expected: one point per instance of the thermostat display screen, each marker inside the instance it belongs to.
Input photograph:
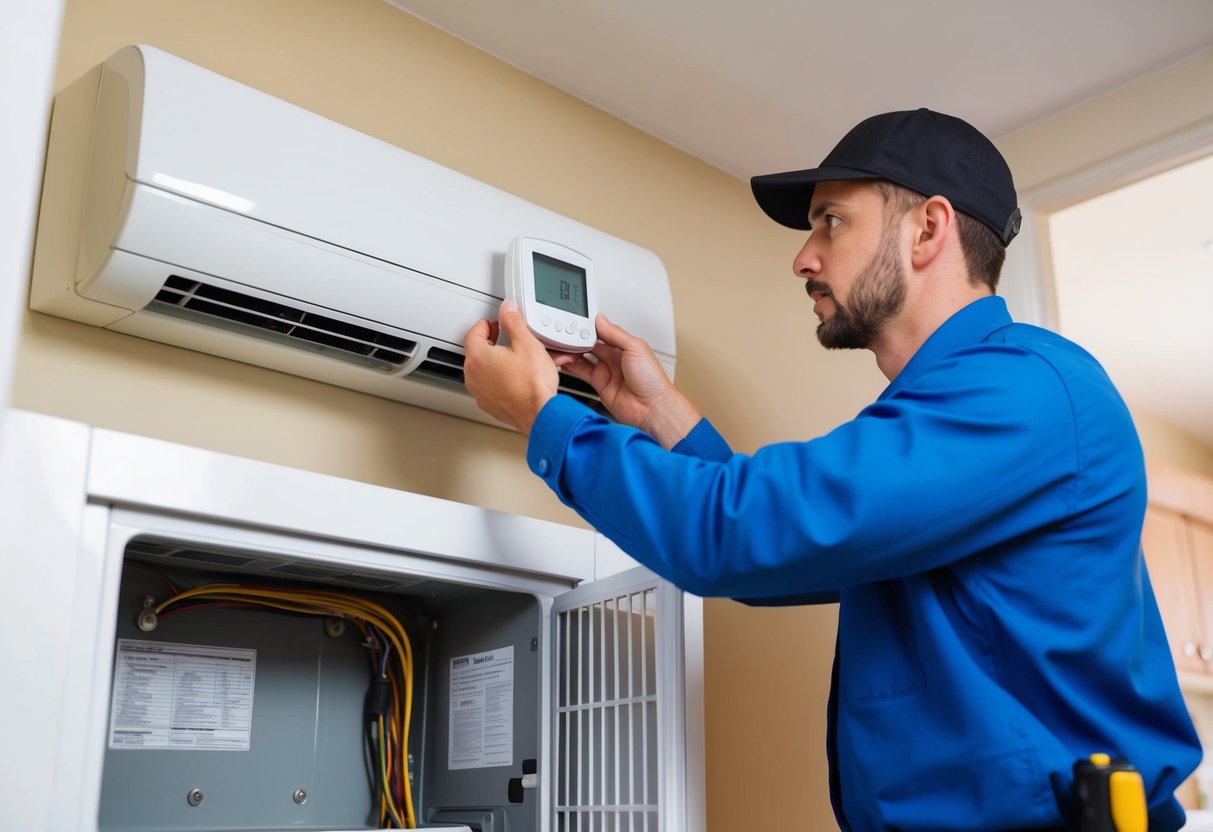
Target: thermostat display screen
(560, 285)
(554, 287)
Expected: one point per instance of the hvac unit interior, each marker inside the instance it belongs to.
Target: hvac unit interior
(184, 207)
(221, 644)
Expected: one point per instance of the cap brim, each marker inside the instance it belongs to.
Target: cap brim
(785, 196)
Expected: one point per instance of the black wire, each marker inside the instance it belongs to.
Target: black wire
(375, 642)
(370, 758)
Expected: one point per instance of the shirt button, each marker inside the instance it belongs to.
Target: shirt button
(544, 466)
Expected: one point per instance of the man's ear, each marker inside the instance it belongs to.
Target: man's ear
(933, 221)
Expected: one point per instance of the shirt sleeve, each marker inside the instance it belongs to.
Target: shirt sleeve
(704, 442)
(978, 450)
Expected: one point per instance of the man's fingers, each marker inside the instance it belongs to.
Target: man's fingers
(605, 352)
(479, 336)
(514, 325)
(579, 369)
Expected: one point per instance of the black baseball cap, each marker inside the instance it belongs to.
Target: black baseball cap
(922, 150)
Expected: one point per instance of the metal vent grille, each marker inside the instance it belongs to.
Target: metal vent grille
(171, 552)
(446, 367)
(607, 745)
(203, 303)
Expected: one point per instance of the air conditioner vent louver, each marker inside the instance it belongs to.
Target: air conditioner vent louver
(271, 321)
(579, 390)
(446, 367)
(440, 365)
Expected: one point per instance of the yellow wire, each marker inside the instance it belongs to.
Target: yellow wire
(328, 603)
(396, 726)
(387, 791)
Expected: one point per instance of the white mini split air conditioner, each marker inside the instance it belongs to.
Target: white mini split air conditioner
(186, 208)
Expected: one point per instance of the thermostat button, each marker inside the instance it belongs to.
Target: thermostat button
(559, 326)
(547, 321)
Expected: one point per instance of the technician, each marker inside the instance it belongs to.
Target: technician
(979, 524)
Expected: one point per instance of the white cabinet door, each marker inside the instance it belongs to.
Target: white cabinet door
(618, 733)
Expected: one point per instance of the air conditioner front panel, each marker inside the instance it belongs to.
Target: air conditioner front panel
(209, 138)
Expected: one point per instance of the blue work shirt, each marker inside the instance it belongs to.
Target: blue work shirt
(979, 525)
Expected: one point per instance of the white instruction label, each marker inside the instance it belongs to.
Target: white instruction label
(182, 696)
(482, 710)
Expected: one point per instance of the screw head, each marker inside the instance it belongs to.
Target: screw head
(334, 627)
(194, 797)
(146, 621)
(300, 796)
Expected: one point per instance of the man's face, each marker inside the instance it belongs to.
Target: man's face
(851, 265)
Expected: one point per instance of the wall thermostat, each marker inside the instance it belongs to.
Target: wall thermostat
(553, 286)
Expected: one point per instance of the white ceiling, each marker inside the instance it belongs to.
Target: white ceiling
(756, 86)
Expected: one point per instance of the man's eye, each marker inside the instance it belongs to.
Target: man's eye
(832, 221)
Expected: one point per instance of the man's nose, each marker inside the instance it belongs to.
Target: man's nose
(807, 263)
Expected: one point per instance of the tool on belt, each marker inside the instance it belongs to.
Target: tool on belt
(1109, 796)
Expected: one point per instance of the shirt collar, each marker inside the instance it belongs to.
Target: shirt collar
(968, 326)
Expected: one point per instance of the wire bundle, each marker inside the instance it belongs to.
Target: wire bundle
(390, 699)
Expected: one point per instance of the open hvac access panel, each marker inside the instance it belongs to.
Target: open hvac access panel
(279, 650)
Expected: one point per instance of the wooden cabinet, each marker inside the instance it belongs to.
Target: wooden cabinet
(1178, 542)
(1163, 538)
(1177, 539)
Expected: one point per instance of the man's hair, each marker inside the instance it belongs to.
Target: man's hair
(984, 253)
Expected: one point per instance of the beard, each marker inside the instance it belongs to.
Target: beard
(878, 294)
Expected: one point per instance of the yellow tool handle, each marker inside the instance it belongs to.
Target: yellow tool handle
(1127, 796)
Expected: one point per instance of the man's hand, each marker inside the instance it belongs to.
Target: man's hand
(632, 384)
(511, 383)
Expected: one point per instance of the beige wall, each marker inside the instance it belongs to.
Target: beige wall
(760, 376)
(1164, 442)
